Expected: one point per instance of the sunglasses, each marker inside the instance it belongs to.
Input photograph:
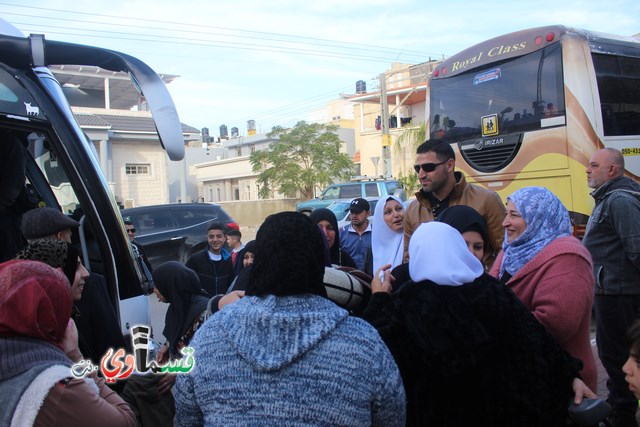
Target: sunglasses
(428, 167)
(131, 230)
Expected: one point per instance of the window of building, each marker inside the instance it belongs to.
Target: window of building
(137, 168)
(252, 148)
(239, 151)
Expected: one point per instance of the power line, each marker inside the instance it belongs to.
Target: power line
(288, 109)
(296, 39)
(271, 42)
(345, 45)
(206, 43)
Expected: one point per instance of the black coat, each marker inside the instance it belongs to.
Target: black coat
(98, 326)
(215, 276)
(473, 355)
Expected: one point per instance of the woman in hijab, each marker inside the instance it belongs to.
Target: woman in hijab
(179, 286)
(470, 353)
(241, 281)
(286, 355)
(38, 346)
(63, 255)
(327, 221)
(59, 254)
(549, 270)
(387, 237)
(471, 225)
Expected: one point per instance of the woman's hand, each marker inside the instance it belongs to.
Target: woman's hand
(581, 390)
(382, 280)
(229, 298)
(70, 340)
(166, 383)
(163, 355)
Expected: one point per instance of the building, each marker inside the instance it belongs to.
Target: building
(395, 105)
(115, 117)
(227, 175)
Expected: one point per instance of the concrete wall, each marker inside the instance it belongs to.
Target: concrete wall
(251, 213)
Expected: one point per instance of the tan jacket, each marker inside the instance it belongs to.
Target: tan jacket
(83, 402)
(485, 201)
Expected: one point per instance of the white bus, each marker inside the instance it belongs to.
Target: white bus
(530, 108)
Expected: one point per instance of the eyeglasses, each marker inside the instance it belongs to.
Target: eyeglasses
(131, 230)
(428, 167)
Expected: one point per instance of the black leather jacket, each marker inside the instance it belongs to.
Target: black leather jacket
(613, 237)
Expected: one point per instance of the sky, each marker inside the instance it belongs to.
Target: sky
(276, 61)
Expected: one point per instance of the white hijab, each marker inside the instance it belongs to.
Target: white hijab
(437, 252)
(387, 245)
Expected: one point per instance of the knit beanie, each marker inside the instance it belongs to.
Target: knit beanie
(56, 253)
(35, 301)
(289, 257)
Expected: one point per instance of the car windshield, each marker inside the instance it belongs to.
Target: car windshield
(339, 209)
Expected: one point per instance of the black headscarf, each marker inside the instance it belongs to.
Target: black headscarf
(250, 247)
(464, 218)
(289, 257)
(324, 214)
(181, 288)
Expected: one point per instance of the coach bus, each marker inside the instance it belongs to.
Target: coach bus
(530, 107)
(62, 169)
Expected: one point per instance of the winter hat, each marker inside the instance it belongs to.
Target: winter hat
(289, 257)
(42, 222)
(35, 301)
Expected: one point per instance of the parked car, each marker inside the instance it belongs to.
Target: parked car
(341, 209)
(351, 190)
(174, 232)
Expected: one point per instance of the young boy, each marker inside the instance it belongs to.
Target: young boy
(234, 239)
(213, 265)
(631, 368)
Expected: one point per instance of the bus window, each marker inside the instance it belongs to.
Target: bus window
(520, 92)
(618, 82)
(54, 173)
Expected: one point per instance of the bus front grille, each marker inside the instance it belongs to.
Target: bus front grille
(490, 155)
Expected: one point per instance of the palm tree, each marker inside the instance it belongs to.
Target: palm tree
(409, 139)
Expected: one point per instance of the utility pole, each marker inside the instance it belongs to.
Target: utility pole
(386, 136)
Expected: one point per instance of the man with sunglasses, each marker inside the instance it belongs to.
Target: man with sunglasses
(442, 187)
(131, 232)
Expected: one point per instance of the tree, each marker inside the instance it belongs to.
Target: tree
(409, 139)
(303, 157)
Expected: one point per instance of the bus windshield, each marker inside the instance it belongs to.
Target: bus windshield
(519, 93)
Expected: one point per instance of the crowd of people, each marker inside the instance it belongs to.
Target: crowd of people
(459, 309)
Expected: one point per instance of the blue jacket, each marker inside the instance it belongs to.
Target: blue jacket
(613, 237)
(297, 360)
(356, 245)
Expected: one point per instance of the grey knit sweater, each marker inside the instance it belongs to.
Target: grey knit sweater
(298, 360)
